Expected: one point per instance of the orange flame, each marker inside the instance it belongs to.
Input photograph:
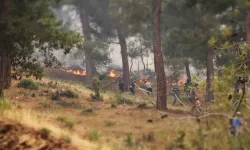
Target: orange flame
(76, 72)
(180, 82)
(113, 74)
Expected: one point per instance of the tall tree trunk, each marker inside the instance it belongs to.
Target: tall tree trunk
(90, 67)
(138, 69)
(2, 68)
(158, 59)
(210, 73)
(147, 62)
(7, 73)
(93, 67)
(248, 32)
(142, 60)
(131, 65)
(188, 70)
(124, 54)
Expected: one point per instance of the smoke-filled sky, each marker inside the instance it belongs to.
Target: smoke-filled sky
(69, 16)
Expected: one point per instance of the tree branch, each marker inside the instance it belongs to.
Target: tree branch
(113, 42)
(242, 97)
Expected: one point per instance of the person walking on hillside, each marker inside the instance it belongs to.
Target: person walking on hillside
(121, 86)
(176, 93)
(187, 88)
(236, 124)
(132, 87)
(148, 87)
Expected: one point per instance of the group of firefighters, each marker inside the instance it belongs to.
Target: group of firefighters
(189, 89)
(133, 87)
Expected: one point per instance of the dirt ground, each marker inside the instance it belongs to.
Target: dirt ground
(18, 137)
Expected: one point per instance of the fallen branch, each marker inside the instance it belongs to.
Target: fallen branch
(204, 116)
(242, 97)
(180, 100)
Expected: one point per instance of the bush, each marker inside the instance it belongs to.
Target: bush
(28, 84)
(149, 138)
(45, 132)
(94, 135)
(178, 142)
(87, 111)
(122, 100)
(129, 141)
(67, 123)
(68, 94)
(109, 123)
(52, 84)
(4, 105)
(96, 88)
(56, 96)
(66, 138)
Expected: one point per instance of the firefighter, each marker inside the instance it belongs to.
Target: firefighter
(132, 87)
(121, 86)
(148, 87)
(176, 93)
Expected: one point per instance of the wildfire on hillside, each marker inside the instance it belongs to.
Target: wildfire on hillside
(76, 72)
(112, 74)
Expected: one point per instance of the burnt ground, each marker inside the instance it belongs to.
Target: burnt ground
(18, 137)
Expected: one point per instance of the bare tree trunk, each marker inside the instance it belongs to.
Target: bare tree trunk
(138, 69)
(93, 67)
(142, 60)
(131, 65)
(248, 32)
(188, 70)
(210, 72)
(124, 53)
(158, 59)
(2, 68)
(7, 73)
(147, 62)
(90, 67)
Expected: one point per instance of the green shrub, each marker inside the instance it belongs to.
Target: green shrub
(4, 105)
(96, 88)
(68, 94)
(149, 138)
(62, 118)
(52, 84)
(129, 141)
(67, 123)
(122, 100)
(178, 142)
(109, 123)
(66, 138)
(56, 96)
(94, 135)
(87, 111)
(45, 132)
(28, 84)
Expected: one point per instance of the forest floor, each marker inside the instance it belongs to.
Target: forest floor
(94, 125)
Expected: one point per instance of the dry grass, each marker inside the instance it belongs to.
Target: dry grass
(41, 112)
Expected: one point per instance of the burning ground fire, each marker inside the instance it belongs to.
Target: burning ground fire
(79, 72)
(113, 74)
(76, 72)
